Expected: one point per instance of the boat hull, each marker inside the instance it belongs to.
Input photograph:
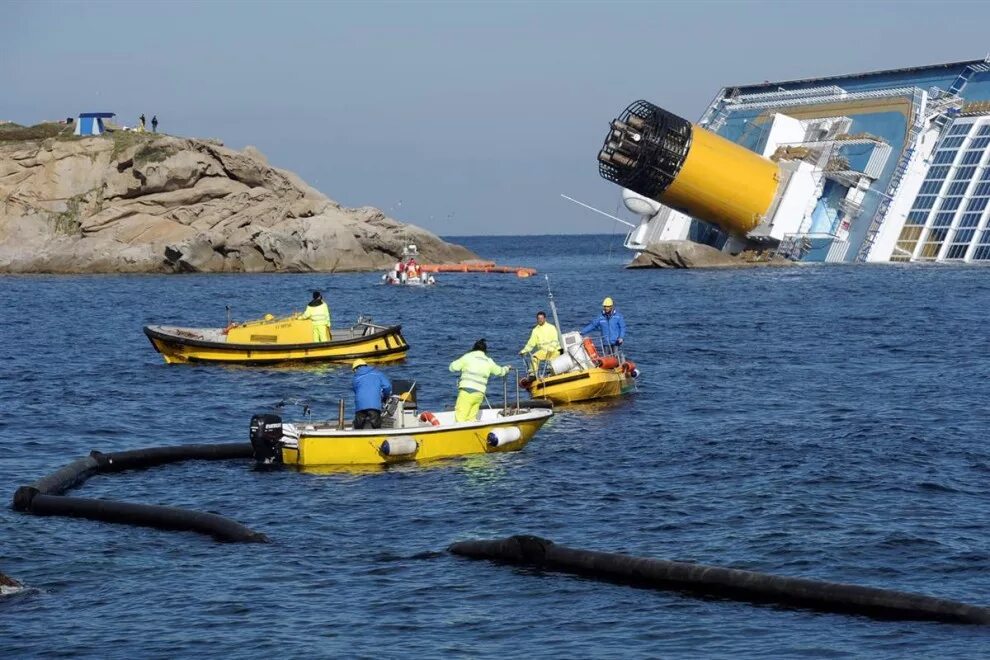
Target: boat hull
(387, 345)
(585, 385)
(328, 447)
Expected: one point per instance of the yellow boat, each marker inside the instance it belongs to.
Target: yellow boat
(403, 438)
(584, 385)
(581, 373)
(271, 340)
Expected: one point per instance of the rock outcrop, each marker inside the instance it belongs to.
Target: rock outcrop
(687, 254)
(138, 202)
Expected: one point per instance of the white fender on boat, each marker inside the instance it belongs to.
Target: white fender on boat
(502, 436)
(402, 445)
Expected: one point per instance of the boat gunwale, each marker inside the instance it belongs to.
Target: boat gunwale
(533, 415)
(202, 343)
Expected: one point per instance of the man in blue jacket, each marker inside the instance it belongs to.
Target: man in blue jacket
(371, 388)
(611, 324)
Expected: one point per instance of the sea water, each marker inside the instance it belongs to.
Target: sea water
(820, 422)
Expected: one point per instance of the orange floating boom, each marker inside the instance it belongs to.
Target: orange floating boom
(478, 267)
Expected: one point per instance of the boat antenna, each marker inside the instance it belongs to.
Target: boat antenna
(553, 310)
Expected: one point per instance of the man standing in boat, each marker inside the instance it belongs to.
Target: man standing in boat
(611, 324)
(543, 342)
(475, 367)
(318, 312)
(371, 388)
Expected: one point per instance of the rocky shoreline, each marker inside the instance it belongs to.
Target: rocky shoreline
(128, 202)
(687, 254)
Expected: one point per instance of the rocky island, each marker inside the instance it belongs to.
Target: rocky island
(131, 202)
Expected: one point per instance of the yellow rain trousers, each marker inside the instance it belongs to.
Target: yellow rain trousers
(320, 316)
(468, 405)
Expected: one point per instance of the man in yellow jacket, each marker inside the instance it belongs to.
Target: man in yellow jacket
(543, 342)
(318, 312)
(475, 367)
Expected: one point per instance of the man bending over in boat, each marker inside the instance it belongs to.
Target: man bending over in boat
(318, 312)
(543, 342)
(611, 324)
(475, 367)
(371, 388)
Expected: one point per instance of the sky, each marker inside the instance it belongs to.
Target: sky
(466, 118)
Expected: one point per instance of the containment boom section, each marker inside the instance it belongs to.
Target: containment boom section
(664, 157)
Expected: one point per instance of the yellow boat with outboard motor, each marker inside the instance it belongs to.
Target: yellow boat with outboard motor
(584, 370)
(271, 340)
(582, 385)
(406, 435)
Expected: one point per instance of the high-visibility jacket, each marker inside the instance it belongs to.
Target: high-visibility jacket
(612, 326)
(543, 338)
(475, 368)
(371, 388)
(319, 313)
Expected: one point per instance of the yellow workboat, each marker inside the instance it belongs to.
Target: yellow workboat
(406, 435)
(582, 385)
(271, 340)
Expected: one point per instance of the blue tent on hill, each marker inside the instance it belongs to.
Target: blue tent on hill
(91, 123)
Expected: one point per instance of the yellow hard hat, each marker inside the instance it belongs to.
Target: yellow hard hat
(608, 303)
(358, 363)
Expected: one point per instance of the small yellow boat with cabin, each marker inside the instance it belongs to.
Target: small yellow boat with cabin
(406, 435)
(271, 340)
(582, 385)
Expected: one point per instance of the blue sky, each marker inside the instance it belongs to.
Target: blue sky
(464, 118)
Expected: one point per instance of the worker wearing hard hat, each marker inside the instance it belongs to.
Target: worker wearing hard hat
(318, 312)
(611, 324)
(475, 367)
(543, 342)
(371, 389)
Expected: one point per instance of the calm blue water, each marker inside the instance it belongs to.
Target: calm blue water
(815, 422)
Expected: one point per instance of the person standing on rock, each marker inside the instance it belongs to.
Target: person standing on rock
(318, 312)
(141, 122)
(611, 324)
(154, 123)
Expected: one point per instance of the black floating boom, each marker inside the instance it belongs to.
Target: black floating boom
(45, 496)
(723, 582)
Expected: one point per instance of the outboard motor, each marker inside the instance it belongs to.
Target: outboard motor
(266, 431)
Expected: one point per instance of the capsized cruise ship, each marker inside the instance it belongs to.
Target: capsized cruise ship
(870, 167)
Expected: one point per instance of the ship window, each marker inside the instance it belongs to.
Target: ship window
(972, 157)
(944, 157)
(924, 202)
(977, 204)
(916, 218)
(943, 219)
(957, 251)
(986, 175)
(950, 204)
(964, 173)
(979, 143)
(952, 142)
(958, 188)
(970, 219)
(963, 236)
(984, 130)
(930, 187)
(936, 173)
(982, 190)
(960, 129)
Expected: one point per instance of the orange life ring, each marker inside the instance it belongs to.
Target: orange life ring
(629, 367)
(589, 346)
(427, 416)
